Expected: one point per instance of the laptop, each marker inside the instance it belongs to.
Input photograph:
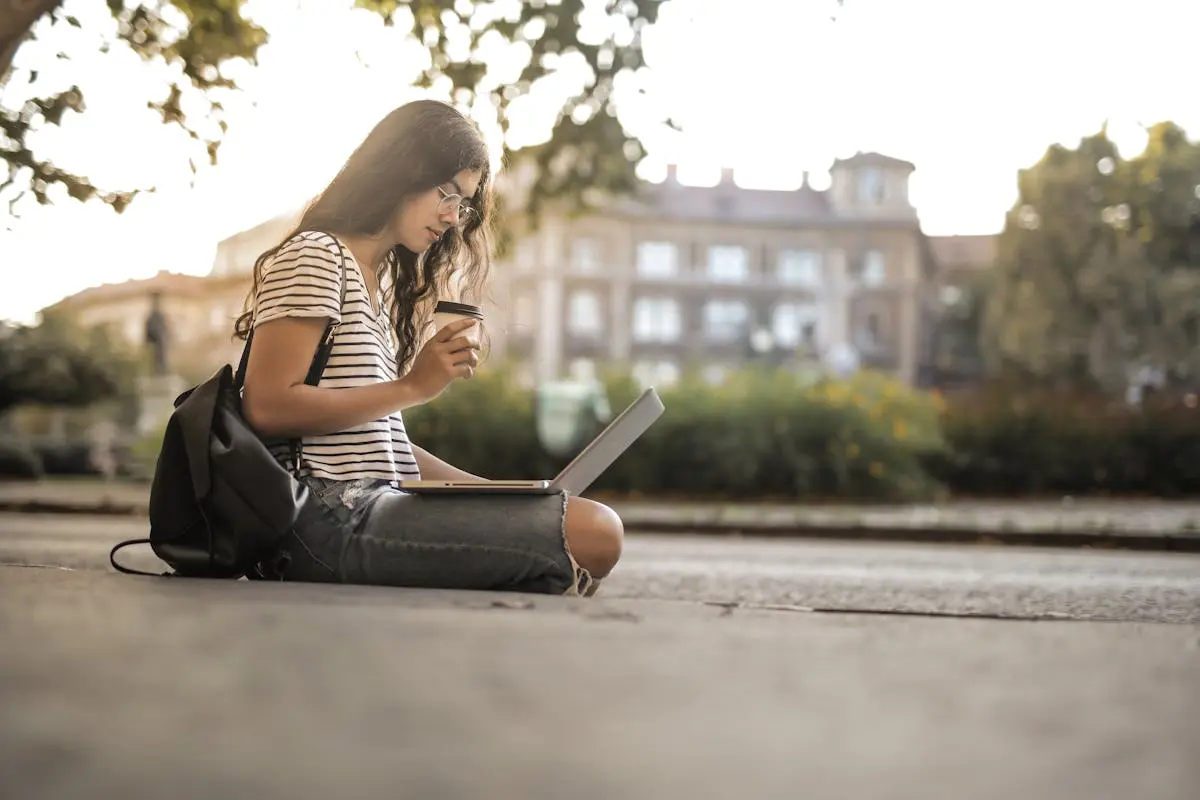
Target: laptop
(583, 469)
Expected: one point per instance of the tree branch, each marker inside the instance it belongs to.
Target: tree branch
(16, 20)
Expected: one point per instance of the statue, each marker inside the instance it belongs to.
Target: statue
(156, 333)
(157, 391)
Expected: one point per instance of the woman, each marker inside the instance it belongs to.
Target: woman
(407, 215)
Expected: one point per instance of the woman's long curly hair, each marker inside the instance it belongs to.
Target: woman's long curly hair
(415, 148)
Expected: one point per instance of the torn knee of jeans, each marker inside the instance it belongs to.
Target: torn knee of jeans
(583, 581)
(352, 494)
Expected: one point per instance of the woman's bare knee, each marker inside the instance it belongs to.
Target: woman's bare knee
(594, 534)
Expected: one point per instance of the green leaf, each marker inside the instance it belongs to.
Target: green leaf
(213, 32)
(1092, 259)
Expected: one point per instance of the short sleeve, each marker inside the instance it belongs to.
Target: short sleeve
(302, 279)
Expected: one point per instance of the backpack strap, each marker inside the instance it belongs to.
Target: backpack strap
(320, 358)
(112, 559)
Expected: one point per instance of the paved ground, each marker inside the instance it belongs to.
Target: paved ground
(845, 576)
(1030, 583)
(115, 686)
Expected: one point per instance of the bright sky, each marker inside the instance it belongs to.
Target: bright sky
(968, 91)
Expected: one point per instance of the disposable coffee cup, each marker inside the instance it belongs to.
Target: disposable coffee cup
(446, 312)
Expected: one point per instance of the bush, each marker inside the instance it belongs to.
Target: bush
(1166, 439)
(761, 435)
(774, 436)
(484, 426)
(69, 458)
(1023, 442)
(771, 435)
(19, 461)
(138, 457)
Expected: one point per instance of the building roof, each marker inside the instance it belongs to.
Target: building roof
(671, 200)
(276, 226)
(169, 284)
(872, 159)
(728, 202)
(725, 202)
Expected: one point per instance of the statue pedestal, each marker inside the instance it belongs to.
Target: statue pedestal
(156, 394)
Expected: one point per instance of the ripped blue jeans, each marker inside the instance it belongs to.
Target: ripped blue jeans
(368, 532)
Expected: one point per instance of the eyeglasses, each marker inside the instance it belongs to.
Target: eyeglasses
(455, 201)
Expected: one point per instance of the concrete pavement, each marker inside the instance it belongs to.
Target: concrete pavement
(120, 686)
(795, 574)
(115, 686)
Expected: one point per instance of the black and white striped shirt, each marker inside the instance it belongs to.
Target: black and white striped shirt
(303, 279)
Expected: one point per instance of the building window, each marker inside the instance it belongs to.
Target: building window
(725, 320)
(656, 373)
(793, 324)
(728, 264)
(657, 319)
(951, 295)
(585, 255)
(873, 272)
(584, 314)
(657, 260)
(870, 333)
(800, 268)
(870, 186)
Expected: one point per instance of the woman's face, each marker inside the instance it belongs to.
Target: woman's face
(425, 218)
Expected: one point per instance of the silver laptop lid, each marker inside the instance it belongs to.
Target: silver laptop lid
(614, 440)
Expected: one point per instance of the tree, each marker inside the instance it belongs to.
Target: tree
(1163, 187)
(589, 148)
(1099, 265)
(57, 364)
(200, 36)
(589, 152)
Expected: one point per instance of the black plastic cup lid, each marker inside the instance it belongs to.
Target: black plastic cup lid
(463, 309)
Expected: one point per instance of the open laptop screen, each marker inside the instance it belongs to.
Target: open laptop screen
(606, 448)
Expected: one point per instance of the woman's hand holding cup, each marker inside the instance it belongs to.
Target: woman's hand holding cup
(452, 353)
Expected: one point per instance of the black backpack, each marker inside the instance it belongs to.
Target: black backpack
(220, 502)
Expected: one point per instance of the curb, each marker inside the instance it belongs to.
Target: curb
(104, 509)
(1063, 538)
(654, 523)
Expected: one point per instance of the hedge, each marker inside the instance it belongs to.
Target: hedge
(762, 435)
(1020, 442)
(773, 436)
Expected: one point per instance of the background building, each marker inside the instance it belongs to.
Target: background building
(673, 278)
(709, 277)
